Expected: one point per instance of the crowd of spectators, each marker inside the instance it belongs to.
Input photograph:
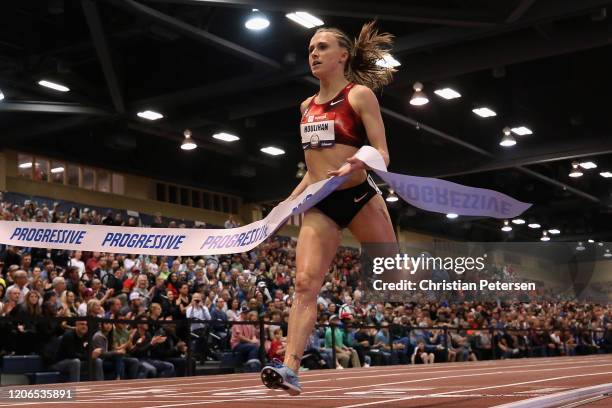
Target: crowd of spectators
(254, 286)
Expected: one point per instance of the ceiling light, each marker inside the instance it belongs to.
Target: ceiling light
(388, 62)
(273, 151)
(600, 244)
(188, 143)
(580, 247)
(447, 93)
(301, 170)
(484, 112)
(534, 225)
(226, 137)
(591, 241)
(27, 165)
(392, 197)
(607, 254)
(305, 19)
(53, 85)
(522, 131)
(518, 221)
(418, 97)
(452, 216)
(588, 165)
(506, 227)
(150, 115)
(56, 170)
(545, 236)
(606, 174)
(257, 21)
(554, 231)
(508, 140)
(1, 96)
(575, 170)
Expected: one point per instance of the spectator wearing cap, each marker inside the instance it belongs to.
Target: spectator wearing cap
(141, 343)
(244, 340)
(121, 342)
(134, 306)
(172, 350)
(344, 354)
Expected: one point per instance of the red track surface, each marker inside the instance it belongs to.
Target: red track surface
(480, 384)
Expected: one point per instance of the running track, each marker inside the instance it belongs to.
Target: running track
(476, 384)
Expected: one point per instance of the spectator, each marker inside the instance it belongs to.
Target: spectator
(112, 360)
(21, 281)
(421, 355)
(141, 343)
(72, 354)
(244, 339)
(344, 354)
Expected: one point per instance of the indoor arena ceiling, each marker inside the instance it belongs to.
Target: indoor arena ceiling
(540, 64)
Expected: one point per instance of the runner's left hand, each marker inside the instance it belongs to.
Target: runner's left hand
(352, 164)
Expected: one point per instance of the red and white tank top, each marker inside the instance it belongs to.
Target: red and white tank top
(324, 125)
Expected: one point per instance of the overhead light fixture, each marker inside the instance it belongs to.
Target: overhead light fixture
(607, 254)
(506, 227)
(554, 231)
(56, 170)
(27, 165)
(545, 236)
(591, 241)
(575, 170)
(150, 115)
(305, 19)
(588, 165)
(257, 21)
(534, 225)
(388, 62)
(392, 197)
(452, 216)
(188, 143)
(273, 151)
(600, 244)
(226, 137)
(521, 130)
(418, 97)
(580, 247)
(508, 140)
(518, 221)
(53, 85)
(1, 96)
(301, 170)
(447, 93)
(484, 112)
(606, 174)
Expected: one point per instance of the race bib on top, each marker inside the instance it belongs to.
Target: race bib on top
(318, 130)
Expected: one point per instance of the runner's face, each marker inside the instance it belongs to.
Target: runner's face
(325, 54)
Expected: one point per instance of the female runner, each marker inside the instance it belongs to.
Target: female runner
(343, 116)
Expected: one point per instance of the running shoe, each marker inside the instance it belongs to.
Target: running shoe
(278, 375)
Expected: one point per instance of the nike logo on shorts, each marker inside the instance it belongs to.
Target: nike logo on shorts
(335, 102)
(360, 198)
